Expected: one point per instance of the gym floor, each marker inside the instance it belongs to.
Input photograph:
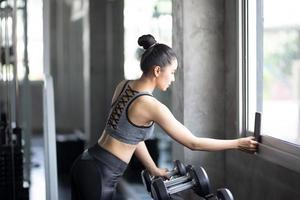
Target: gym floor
(126, 190)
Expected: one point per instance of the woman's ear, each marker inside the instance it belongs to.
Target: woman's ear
(156, 70)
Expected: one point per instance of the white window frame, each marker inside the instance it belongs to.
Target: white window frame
(272, 149)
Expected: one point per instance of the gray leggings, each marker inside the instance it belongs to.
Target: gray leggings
(95, 174)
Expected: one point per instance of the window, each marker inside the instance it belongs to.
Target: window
(33, 22)
(154, 17)
(269, 59)
(35, 39)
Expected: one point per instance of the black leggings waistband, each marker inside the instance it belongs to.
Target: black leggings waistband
(95, 174)
(104, 156)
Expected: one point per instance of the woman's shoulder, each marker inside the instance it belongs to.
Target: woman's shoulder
(146, 101)
(118, 89)
(122, 82)
(121, 85)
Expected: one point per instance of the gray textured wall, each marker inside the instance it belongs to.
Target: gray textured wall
(199, 43)
(106, 60)
(66, 68)
(105, 69)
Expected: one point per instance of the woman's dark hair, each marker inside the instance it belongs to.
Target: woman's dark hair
(155, 54)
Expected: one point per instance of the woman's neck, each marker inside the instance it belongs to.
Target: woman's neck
(144, 84)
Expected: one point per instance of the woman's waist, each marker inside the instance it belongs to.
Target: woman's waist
(120, 149)
(105, 157)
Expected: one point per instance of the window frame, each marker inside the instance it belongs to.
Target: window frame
(272, 149)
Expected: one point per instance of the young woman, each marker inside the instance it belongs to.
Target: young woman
(130, 122)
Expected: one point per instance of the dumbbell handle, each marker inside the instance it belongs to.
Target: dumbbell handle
(177, 180)
(181, 187)
(172, 172)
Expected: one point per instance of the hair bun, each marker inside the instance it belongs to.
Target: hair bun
(146, 41)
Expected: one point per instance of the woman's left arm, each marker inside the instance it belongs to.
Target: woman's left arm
(142, 153)
(163, 116)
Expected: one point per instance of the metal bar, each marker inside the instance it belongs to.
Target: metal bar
(26, 103)
(10, 99)
(175, 181)
(49, 113)
(245, 66)
(11, 90)
(259, 55)
(50, 140)
(86, 72)
(2, 89)
(25, 37)
(180, 187)
(15, 64)
(243, 71)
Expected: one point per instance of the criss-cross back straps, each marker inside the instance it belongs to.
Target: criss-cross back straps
(119, 107)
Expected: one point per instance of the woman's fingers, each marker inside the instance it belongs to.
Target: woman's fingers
(251, 151)
(248, 144)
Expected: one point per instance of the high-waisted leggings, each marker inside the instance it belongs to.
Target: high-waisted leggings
(95, 174)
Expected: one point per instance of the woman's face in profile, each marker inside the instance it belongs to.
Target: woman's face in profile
(167, 76)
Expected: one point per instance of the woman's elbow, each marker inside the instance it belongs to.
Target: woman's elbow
(193, 146)
(197, 144)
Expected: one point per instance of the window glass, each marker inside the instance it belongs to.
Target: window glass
(35, 39)
(277, 77)
(281, 64)
(252, 65)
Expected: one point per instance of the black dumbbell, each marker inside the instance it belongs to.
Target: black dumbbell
(178, 170)
(196, 179)
(224, 194)
(147, 178)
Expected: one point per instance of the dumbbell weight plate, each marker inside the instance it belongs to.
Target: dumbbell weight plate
(146, 178)
(159, 190)
(224, 194)
(202, 187)
(180, 167)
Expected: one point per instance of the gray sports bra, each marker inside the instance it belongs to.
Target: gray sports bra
(118, 124)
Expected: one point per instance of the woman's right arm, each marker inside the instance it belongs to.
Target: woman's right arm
(162, 116)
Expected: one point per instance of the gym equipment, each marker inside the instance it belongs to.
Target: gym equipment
(68, 147)
(11, 173)
(134, 168)
(3, 129)
(224, 194)
(12, 183)
(179, 169)
(195, 178)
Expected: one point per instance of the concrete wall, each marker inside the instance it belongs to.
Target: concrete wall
(66, 65)
(78, 86)
(205, 100)
(200, 81)
(106, 62)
